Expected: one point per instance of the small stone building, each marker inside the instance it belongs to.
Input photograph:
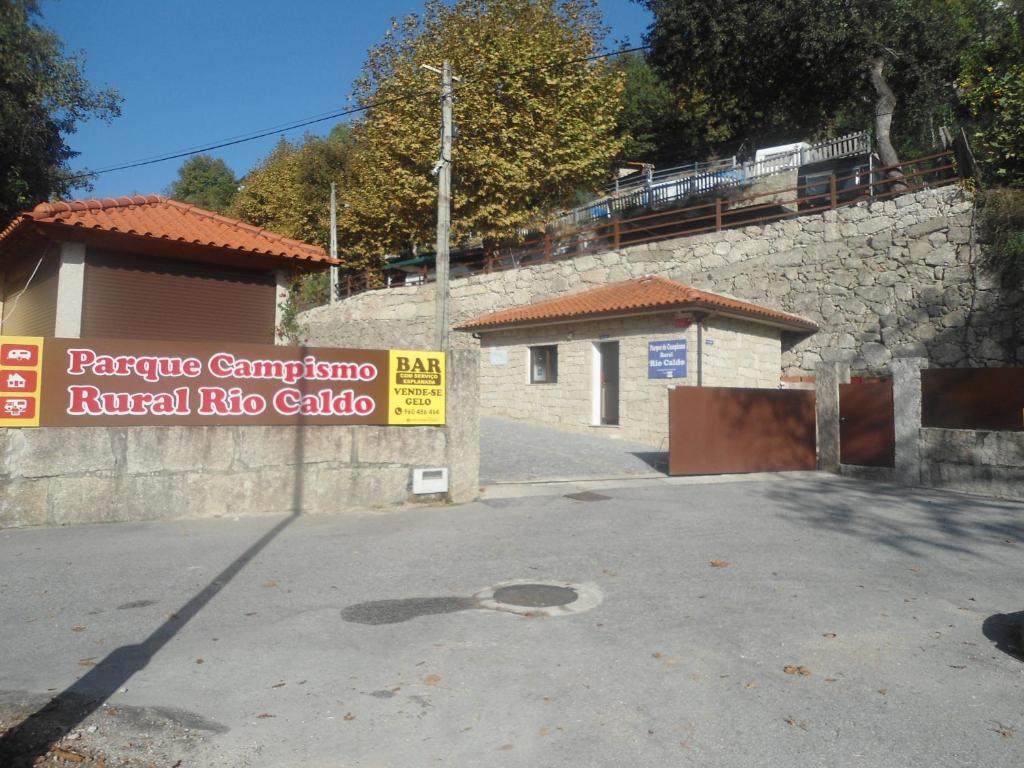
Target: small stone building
(145, 267)
(604, 359)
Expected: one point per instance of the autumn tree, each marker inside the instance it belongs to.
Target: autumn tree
(43, 97)
(289, 191)
(205, 181)
(534, 121)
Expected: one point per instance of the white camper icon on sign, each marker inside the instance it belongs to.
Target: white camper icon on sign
(19, 354)
(16, 407)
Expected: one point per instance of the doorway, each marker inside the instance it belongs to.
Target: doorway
(608, 395)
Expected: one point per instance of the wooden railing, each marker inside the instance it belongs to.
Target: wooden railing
(721, 213)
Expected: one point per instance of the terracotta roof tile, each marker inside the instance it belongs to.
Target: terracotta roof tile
(152, 216)
(629, 297)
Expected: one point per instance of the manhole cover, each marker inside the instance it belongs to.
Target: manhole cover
(535, 595)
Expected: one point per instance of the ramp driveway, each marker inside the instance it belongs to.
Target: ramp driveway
(518, 451)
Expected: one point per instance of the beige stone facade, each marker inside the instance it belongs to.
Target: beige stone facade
(735, 353)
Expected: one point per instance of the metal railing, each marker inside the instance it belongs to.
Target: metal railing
(651, 189)
(614, 233)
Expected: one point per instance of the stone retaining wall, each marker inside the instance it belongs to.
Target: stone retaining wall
(57, 476)
(988, 463)
(883, 280)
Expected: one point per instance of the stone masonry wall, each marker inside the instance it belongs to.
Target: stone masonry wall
(741, 355)
(883, 280)
(987, 463)
(57, 476)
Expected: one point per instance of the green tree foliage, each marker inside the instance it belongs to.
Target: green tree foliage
(992, 87)
(779, 70)
(534, 121)
(649, 123)
(43, 97)
(1002, 232)
(289, 191)
(205, 181)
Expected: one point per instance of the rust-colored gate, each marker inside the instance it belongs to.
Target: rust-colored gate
(867, 431)
(718, 430)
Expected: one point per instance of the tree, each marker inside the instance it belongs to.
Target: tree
(534, 122)
(205, 181)
(43, 97)
(992, 87)
(289, 191)
(791, 69)
(649, 124)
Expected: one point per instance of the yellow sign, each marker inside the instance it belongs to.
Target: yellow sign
(416, 387)
(21, 364)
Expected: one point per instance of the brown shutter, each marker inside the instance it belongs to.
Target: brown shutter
(34, 312)
(141, 297)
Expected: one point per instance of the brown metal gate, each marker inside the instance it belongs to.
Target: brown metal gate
(718, 430)
(867, 432)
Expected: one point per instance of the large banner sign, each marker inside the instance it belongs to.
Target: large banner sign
(123, 382)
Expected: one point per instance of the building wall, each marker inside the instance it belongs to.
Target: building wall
(882, 280)
(59, 476)
(740, 354)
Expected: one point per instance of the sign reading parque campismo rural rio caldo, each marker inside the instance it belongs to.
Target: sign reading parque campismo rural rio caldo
(126, 382)
(666, 359)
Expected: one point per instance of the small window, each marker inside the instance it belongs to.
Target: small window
(543, 365)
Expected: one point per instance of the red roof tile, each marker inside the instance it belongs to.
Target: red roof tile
(155, 217)
(651, 294)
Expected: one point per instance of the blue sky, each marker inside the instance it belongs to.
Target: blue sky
(194, 72)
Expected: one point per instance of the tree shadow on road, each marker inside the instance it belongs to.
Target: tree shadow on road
(910, 521)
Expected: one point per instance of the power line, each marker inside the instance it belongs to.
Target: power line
(244, 138)
(250, 137)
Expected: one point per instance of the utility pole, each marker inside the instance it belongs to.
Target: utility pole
(443, 170)
(334, 244)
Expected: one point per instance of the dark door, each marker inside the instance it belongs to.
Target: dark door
(867, 431)
(610, 382)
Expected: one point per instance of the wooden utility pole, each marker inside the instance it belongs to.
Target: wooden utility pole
(334, 244)
(443, 170)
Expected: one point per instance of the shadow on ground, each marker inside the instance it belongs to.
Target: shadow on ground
(1006, 631)
(396, 611)
(927, 520)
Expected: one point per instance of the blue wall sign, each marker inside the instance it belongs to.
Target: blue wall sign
(666, 359)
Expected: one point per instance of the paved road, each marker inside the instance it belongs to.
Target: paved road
(354, 641)
(517, 451)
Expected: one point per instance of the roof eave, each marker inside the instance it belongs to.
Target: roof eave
(802, 326)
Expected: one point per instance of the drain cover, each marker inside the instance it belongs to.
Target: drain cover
(531, 598)
(535, 595)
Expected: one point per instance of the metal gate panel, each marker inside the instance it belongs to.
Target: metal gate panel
(719, 430)
(867, 431)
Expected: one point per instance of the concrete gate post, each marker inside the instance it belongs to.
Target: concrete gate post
(828, 377)
(463, 424)
(906, 399)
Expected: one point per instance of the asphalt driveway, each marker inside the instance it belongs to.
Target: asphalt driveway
(783, 621)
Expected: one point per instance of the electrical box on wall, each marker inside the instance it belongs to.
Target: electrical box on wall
(432, 480)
